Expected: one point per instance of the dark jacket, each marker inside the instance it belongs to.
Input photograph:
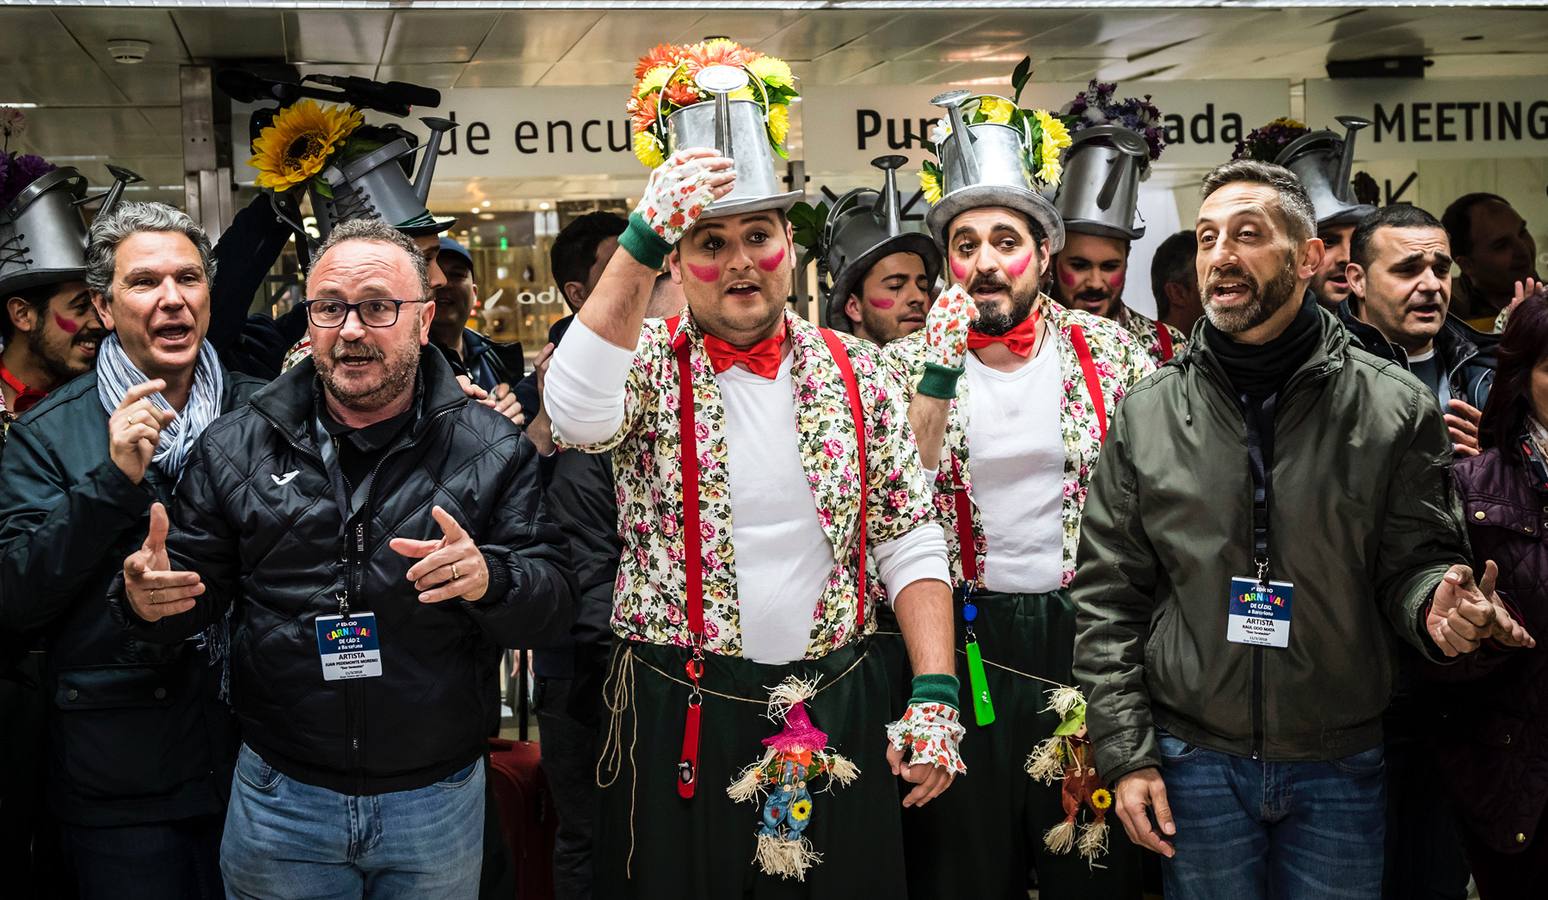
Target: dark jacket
(138, 733)
(526, 389)
(1467, 356)
(1362, 522)
(1493, 746)
(257, 517)
(583, 499)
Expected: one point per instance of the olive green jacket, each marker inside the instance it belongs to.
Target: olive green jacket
(1363, 522)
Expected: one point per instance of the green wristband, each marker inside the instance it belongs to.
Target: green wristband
(648, 248)
(940, 689)
(939, 381)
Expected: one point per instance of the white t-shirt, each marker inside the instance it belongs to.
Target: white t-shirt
(1016, 463)
(782, 557)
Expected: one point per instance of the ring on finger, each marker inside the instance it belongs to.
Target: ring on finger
(455, 575)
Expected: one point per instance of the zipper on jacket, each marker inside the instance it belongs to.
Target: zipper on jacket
(1257, 703)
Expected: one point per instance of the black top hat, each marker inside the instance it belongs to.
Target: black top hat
(1323, 161)
(864, 227)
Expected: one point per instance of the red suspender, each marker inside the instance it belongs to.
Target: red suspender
(1164, 334)
(857, 412)
(1093, 383)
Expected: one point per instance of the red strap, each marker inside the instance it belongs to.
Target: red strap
(965, 540)
(857, 412)
(688, 457)
(1093, 383)
(688, 765)
(1165, 335)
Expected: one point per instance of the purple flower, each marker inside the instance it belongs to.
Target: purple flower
(19, 172)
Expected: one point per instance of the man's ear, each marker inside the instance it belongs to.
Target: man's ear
(1177, 293)
(574, 292)
(100, 303)
(1312, 253)
(1356, 275)
(675, 265)
(1044, 258)
(852, 310)
(426, 316)
(23, 315)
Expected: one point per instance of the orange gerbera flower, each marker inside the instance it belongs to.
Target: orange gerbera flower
(642, 111)
(682, 94)
(661, 54)
(718, 52)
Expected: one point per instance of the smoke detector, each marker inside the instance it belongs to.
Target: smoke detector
(128, 51)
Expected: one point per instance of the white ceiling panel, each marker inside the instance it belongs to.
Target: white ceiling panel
(624, 36)
(420, 36)
(480, 74)
(231, 33)
(336, 36)
(94, 27)
(528, 37)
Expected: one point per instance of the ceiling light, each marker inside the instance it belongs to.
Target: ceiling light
(476, 210)
(22, 104)
(543, 205)
(485, 204)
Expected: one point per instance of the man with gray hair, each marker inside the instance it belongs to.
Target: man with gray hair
(375, 539)
(140, 738)
(1269, 514)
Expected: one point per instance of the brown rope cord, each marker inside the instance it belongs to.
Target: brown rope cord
(990, 662)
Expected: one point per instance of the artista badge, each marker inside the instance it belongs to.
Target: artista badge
(1260, 613)
(349, 647)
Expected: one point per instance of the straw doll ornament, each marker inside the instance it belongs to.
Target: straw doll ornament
(786, 777)
(1066, 757)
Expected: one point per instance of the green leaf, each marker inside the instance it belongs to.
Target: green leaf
(1072, 723)
(1020, 77)
(322, 188)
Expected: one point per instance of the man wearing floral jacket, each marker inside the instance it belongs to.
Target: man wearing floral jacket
(1013, 445)
(743, 565)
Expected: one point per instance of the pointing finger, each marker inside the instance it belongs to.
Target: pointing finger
(449, 525)
(1491, 576)
(413, 549)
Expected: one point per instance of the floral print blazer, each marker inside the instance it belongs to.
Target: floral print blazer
(650, 593)
(1119, 361)
(1147, 331)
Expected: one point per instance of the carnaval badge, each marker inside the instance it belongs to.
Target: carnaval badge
(1066, 757)
(787, 777)
(349, 647)
(1260, 613)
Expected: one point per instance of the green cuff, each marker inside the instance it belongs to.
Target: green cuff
(934, 689)
(647, 247)
(939, 381)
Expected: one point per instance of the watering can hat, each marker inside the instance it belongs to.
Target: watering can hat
(738, 129)
(375, 185)
(1324, 163)
(43, 236)
(1099, 193)
(985, 165)
(864, 227)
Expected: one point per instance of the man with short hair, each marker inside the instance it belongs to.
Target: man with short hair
(1090, 274)
(1175, 282)
(375, 539)
(51, 334)
(889, 300)
(1398, 309)
(141, 737)
(1494, 249)
(466, 348)
(1242, 576)
(1322, 160)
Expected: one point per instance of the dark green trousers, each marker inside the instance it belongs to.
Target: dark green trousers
(984, 835)
(654, 845)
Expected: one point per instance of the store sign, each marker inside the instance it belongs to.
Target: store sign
(845, 127)
(1419, 118)
(536, 132)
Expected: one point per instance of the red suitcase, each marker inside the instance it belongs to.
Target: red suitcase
(527, 814)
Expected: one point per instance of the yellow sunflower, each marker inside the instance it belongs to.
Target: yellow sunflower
(1055, 136)
(931, 185)
(995, 110)
(647, 149)
(801, 810)
(297, 146)
(1050, 171)
(779, 123)
(1101, 799)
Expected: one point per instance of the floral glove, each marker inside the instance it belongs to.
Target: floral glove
(932, 734)
(946, 334)
(675, 196)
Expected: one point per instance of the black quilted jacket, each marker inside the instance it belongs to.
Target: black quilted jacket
(257, 517)
(1494, 745)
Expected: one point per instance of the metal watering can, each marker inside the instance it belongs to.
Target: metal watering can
(374, 185)
(738, 129)
(43, 235)
(863, 227)
(1099, 193)
(1325, 162)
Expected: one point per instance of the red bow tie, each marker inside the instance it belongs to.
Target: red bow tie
(1019, 340)
(762, 358)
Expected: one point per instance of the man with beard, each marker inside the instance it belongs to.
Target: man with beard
(51, 333)
(375, 538)
(1400, 281)
(1175, 283)
(1012, 394)
(140, 738)
(1323, 160)
(745, 562)
(1496, 253)
(883, 276)
(1257, 746)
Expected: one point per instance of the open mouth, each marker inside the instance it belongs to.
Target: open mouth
(1425, 310)
(89, 347)
(355, 362)
(173, 334)
(742, 288)
(1229, 291)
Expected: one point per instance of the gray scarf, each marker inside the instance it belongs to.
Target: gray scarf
(116, 374)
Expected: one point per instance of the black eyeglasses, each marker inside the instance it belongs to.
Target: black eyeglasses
(381, 313)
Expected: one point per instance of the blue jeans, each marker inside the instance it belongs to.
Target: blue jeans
(1274, 830)
(288, 839)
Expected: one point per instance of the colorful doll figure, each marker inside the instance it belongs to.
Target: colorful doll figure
(786, 776)
(1066, 757)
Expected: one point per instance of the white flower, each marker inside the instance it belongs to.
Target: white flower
(940, 131)
(1095, 116)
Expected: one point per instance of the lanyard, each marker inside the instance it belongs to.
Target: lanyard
(1164, 335)
(1260, 454)
(688, 458)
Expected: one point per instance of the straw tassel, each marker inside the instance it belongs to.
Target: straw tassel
(1093, 840)
(1061, 837)
(750, 783)
(786, 858)
(1044, 763)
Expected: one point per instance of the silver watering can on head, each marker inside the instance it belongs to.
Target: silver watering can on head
(1099, 193)
(985, 153)
(374, 185)
(43, 235)
(1324, 163)
(738, 129)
